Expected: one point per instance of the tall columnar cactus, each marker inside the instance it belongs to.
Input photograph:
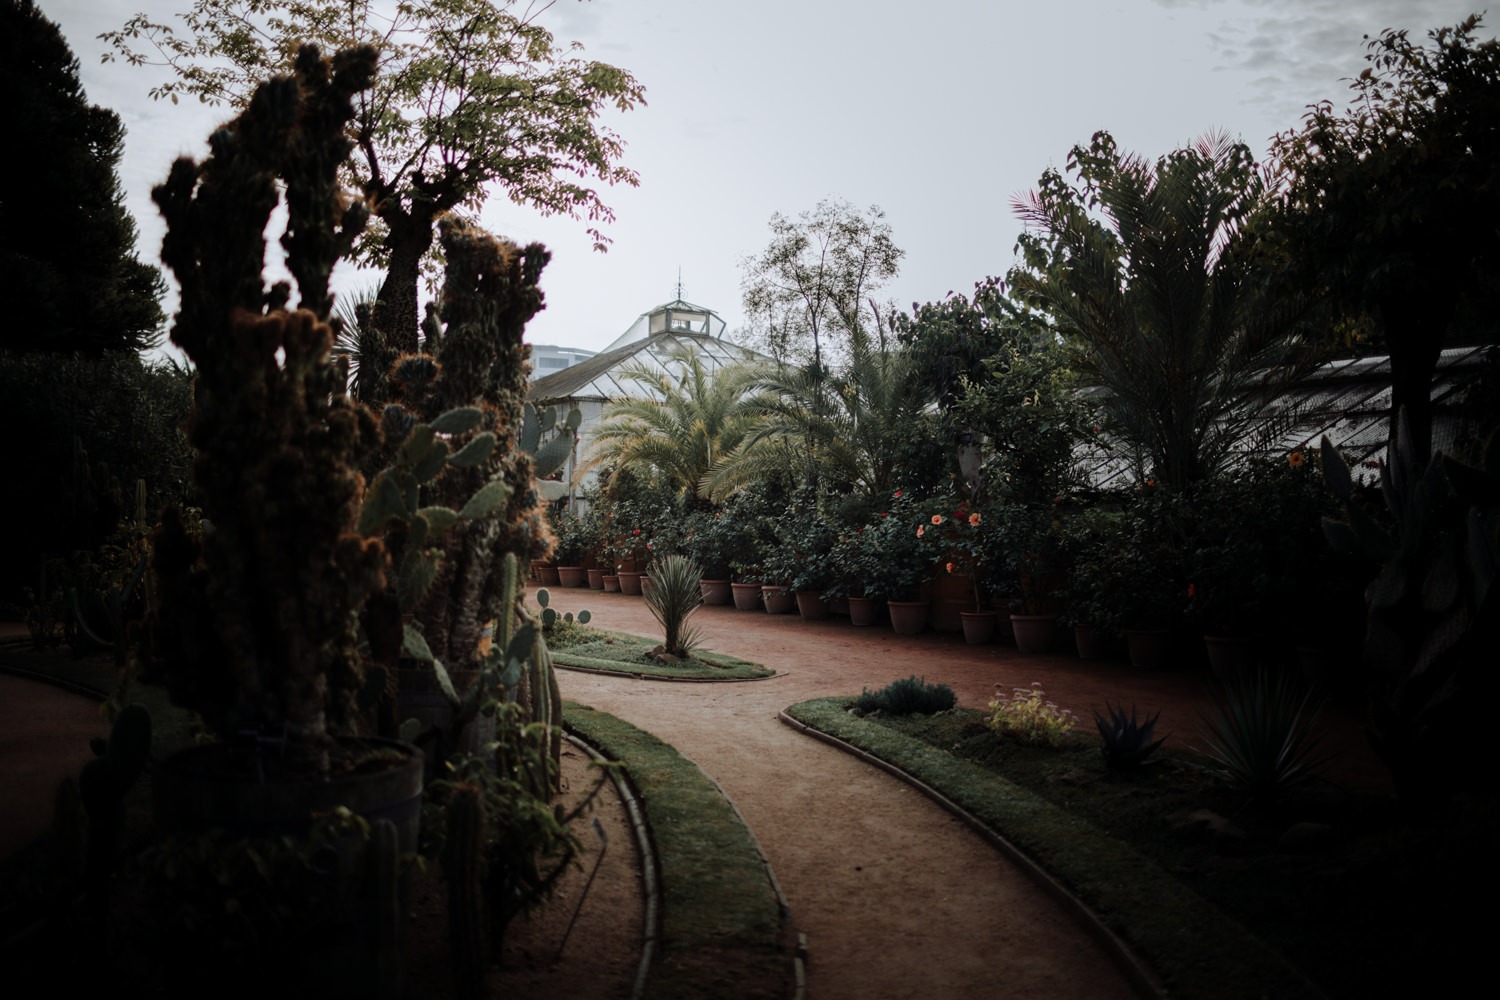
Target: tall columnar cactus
(463, 868)
(258, 620)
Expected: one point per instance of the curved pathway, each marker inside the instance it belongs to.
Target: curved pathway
(897, 897)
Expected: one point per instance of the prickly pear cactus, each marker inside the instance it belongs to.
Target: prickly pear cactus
(258, 619)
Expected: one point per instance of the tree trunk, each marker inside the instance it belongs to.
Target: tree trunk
(396, 315)
(1415, 328)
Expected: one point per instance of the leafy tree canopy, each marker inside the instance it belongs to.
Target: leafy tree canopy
(470, 94)
(68, 270)
(1139, 266)
(814, 277)
(1388, 207)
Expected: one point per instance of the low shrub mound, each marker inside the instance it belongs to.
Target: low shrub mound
(910, 696)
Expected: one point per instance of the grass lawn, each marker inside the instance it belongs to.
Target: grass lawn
(1209, 889)
(586, 648)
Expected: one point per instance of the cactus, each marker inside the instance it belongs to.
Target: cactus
(103, 785)
(386, 909)
(257, 620)
(464, 871)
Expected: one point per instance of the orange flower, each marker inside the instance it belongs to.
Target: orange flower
(974, 519)
(921, 530)
(937, 519)
(950, 567)
(1296, 458)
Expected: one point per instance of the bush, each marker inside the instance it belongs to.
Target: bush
(1027, 717)
(911, 696)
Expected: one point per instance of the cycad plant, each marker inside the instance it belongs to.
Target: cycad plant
(673, 597)
(1140, 267)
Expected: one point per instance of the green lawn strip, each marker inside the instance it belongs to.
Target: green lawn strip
(722, 931)
(1193, 947)
(620, 652)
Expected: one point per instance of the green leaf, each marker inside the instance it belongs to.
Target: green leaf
(476, 451)
(551, 489)
(458, 420)
(574, 421)
(418, 570)
(430, 461)
(543, 596)
(490, 498)
(410, 730)
(414, 644)
(382, 502)
(584, 616)
(1335, 471)
(438, 519)
(445, 683)
(553, 455)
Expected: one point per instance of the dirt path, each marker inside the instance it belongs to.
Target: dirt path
(896, 897)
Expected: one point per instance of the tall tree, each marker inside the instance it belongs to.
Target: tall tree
(815, 275)
(68, 270)
(471, 93)
(1139, 265)
(1389, 207)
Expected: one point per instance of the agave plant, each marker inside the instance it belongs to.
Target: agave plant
(1261, 735)
(1127, 740)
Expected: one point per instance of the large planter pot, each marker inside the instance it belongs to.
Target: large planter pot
(351, 944)
(811, 606)
(611, 583)
(1231, 657)
(716, 592)
(549, 576)
(746, 596)
(978, 626)
(837, 605)
(864, 611)
(779, 600)
(1093, 642)
(907, 617)
(630, 582)
(1149, 648)
(572, 576)
(596, 578)
(1034, 633)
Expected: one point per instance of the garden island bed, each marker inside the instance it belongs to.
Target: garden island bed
(618, 653)
(1208, 890)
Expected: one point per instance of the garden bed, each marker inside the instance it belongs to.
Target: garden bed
(616, 652)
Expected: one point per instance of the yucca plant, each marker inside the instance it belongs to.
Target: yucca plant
(673, 597)
(1260, 736)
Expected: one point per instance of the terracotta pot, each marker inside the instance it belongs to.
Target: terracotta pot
(611, 583)
(779, 600)
(907, 617)
(746, 596)
(978, 626)
(596, 578)
(630, 582)
(572, 576)
(1149, 648)
(1034, 633)
(864, 611)
(811, 606)
(419, 697)
(549, 576)
(716, 592)
(1093, 643)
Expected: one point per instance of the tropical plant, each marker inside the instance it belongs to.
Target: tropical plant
(473, 94)
(900, 546)
(1126, 741)
(1261, 735)
(851, 431)
(1155, 299)
(908, 696)
(675, 593)
(692, 418)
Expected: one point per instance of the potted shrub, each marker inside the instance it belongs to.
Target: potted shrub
(1098, 581)
(904, 543)
(258, 614)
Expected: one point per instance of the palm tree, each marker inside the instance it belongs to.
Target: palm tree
(1141, 268)
(694, 418)
(848, 426)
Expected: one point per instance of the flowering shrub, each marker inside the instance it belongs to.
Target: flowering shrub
(1027, 717)
(901, 544)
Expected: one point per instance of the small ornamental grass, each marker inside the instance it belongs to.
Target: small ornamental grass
(1026, 716)
(1260, 736)
(909, 696)
(675, 593)
(1127, 742)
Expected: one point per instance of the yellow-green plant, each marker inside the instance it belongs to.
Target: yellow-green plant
(1026, 716)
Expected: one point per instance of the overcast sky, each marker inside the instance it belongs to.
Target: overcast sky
(938, 112)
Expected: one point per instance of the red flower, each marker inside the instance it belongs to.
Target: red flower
(898, 493)
(1190, 591)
